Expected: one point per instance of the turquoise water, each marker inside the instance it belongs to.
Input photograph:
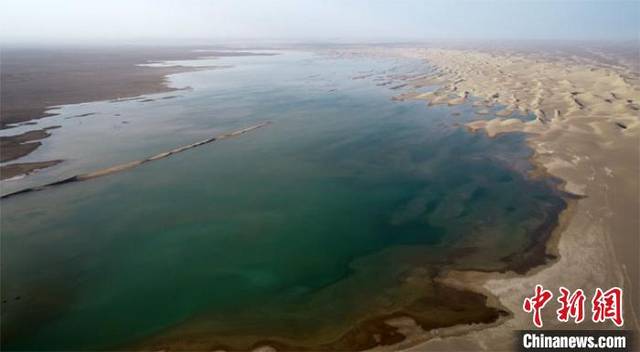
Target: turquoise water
(294, 231)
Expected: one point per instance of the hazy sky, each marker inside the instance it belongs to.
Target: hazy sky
(140, 20)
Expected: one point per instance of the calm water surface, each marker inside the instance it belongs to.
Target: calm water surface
(294, 231)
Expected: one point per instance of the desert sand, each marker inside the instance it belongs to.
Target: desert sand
(586, 132)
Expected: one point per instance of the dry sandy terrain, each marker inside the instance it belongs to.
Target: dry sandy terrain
(586, 132)
(36, 79)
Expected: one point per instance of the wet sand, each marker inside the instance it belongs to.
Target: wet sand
(34, 80)
(446, 306)
(421, 320)
(17, 146)
(586, 132)
(19, 169)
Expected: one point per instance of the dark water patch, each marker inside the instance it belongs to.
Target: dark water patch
(309, 234)
(445, 307)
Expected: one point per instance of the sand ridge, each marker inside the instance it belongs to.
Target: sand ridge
(133, 164)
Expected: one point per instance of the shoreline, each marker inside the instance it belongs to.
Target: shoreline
(475, 280)
(585, 133)
(399, 328)
(63, 79)
(578, 235)
(133, 164)
(74, 76)
(577, 225)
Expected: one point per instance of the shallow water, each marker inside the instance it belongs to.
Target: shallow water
(292, 232)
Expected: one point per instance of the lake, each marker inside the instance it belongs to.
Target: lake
(302, 233)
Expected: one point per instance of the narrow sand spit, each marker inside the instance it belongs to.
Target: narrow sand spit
(586, 133)
(133, 164)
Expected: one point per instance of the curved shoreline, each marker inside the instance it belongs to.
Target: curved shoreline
(591, 147)
(401, 328)
(73, 76)
(599, 265)
(488, 284)
(474, 281)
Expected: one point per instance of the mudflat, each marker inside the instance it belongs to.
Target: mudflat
(35, 79)
(17, 146)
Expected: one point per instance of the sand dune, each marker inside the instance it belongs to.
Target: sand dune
(586, 133)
